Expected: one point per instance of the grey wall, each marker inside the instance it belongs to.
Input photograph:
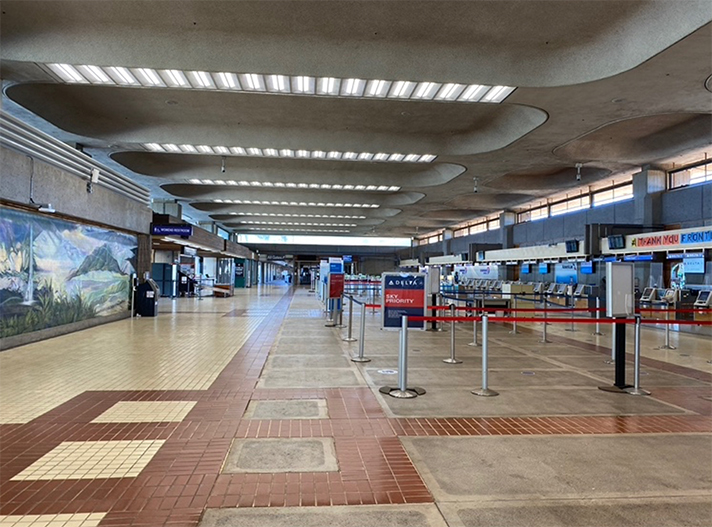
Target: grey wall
(67, 193)
(688, 206)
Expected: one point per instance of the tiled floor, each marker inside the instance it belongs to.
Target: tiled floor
(131, 424)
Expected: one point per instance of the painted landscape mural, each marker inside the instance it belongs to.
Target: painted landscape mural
(54, 272)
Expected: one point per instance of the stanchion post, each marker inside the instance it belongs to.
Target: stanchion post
(598, 317)
(543, 331)
(452, 359)
(330, 313)
(349, 331)
(362, 337)
(514, 312)
(402, 391)
(667, 345)
(484, 391)
(474, 328)
(636, 390)
(340, 312)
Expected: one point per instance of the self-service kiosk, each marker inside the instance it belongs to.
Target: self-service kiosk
(703, 301)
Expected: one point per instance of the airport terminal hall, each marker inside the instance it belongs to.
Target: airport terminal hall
(356, 263)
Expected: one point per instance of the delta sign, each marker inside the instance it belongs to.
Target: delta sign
(403, 294)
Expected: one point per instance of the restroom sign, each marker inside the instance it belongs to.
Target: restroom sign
(403, 294)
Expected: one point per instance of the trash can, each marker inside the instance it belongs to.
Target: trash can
(147, 301)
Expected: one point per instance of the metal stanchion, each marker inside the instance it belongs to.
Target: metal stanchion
(598, 317)
(330, 313)
(612, 360)
(349, 333)
(474, 329)
(635, 390)
(484, 391)
(402, 391)
(339, 319)
(514, 312)
(362, 337)
(543, 333)
(573, 306)
(667, 345)
(452, 359)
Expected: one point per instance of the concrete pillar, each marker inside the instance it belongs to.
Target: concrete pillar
(507, 220)
(648, 187)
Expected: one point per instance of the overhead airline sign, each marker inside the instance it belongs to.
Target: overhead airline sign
(403, 294)
(681, 238)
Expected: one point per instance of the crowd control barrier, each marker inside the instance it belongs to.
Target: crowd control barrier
(406, 392)
(362, 328)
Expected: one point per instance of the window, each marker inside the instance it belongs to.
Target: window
(613, 195)
(461, 232)
(533, 214)
(493, 224)
(570, 205)
(480, 227)
(700, 173)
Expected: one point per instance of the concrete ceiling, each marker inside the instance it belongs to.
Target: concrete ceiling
(613, 85)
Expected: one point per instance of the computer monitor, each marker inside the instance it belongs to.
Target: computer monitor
(560, 289)
(572, 246)
(648, 294)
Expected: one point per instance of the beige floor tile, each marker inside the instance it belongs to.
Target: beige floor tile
(53, 520)
(146, 412)
(91, 460)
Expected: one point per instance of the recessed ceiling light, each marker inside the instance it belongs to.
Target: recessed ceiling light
(294, 203)
(279, 84)
(289, 153)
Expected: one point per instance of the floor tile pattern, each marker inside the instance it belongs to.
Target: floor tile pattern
(186, 393)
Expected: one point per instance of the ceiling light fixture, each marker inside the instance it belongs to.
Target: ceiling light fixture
(294, 203)
(289, 153)
(279, 84)
(287, 215)
(319, 186)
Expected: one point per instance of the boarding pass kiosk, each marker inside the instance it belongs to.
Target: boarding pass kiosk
(703, 301)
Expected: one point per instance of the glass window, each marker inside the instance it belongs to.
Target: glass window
(570, 205)
(691, 176)
(493, 224)
(613, 195)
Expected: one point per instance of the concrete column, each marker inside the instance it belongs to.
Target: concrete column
(648, 187)
(507, 221)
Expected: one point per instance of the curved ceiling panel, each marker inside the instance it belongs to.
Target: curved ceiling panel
(545, 179)
(642, 139)
(183, 166)
(533, 43)
(137, 115)
(209, 193)
(488, 202)
(227, 208)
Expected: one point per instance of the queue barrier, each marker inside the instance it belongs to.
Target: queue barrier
(406, 392)
(362, 329)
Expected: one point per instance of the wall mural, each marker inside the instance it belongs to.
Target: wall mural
(54, 272)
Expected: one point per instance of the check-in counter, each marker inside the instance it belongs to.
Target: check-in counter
(559, 297)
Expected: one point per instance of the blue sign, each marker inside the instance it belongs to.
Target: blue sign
(172, 230)
(543, 268)
(696, 237)
(680, 256)
(336, 268)
(638, 258)
(694, 265)
(525, 269)
(565, 273)
(586, 267)
(347, 258)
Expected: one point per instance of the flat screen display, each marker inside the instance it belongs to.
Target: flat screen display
(572, 246)
(543, 268)
(526, 269)
(704, 295)
(586, 267)
(616, 241)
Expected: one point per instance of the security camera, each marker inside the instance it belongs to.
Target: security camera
(222, 166)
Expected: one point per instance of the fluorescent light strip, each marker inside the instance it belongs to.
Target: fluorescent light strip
(294, 230)
(285, 215)
(300, 224)
(320, 186)
(287, 153)
(295, 203)
(283, 84)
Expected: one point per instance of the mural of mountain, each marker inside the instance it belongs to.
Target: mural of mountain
(100, 259)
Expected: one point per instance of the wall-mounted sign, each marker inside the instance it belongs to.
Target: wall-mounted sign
(336, 285)
(172, 230)
(694, 265)
(239, 269)
(680, 256)
(679, 238)
(565, 273)
(348, 258)
(403, 294)
(586, 267)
